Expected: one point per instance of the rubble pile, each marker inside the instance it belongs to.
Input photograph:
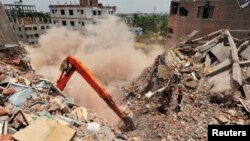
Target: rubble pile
(33, 107)
(195, 84)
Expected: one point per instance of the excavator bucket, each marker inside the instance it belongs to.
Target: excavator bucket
(129, 124)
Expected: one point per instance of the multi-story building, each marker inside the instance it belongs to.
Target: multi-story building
(77, 16)
(27, 23)
(207, 16)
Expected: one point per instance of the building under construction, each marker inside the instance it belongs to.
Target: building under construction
(207, 16)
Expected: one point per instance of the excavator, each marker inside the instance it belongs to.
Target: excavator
(72, 64)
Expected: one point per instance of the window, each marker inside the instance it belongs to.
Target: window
(21, 36)
(71, 12)
(183, 11)
(54, 21)
(94, 22)
(94, 12)
(47, 27)
(111, 12)
(99, 12)
(34, 28)
(72, 23)
(27, 36)
(28, 28)
(13, 28)
(36, 35)
(53, 11)
(31, 43)
(62, 12)
(83, 24)
(64, 23)
(170, 30)
(174, 7)
(42, 27)
(82, 12)
(205, 12)
(19, 28)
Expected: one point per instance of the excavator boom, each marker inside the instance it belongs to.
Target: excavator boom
(72, 64)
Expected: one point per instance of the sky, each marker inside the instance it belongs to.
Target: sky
(123, 6)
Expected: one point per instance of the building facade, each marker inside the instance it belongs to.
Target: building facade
(207, 16)
(27, 23)
(78, 16)
(136, 31)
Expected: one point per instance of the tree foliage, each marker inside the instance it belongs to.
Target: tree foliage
(151, 23)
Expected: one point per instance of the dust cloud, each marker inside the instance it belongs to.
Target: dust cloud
(106, 49)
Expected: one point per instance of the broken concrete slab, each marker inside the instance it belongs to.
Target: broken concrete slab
(245, 104)
(170, 58)
(163, 72)
(221, 52)
(245, 53)
(93, 126)
(222, 119)
(45, 130)
(243, 46)
(223, 66)
(216, 33)
(208, 61)
(237, 77)
(191, 83)
(221, 82)
(246, 89)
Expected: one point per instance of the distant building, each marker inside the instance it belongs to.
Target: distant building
(128, 19)
(77, 16)
(136, 30)
(28, 24)
(207, 16)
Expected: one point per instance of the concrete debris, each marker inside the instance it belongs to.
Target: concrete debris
(45, 130)
(29, 103)
(80, 114)
(93, 126)
(199, 82)
(222, 119)
(205, 78)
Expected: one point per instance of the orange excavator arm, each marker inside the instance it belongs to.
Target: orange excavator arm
(72, 64)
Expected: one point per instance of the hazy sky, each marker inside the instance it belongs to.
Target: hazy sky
(123, 6)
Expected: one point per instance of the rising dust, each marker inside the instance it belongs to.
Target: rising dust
(106, 49)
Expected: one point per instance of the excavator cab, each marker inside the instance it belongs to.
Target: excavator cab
(72, 64)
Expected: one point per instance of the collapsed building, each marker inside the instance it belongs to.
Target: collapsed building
(200, 82)
(206, 16)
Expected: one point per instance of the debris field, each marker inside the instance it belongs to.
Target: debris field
(199, 82)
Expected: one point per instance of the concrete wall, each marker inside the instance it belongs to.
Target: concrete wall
(226, 14)
(7, 35)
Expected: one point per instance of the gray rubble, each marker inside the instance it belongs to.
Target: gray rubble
(205, 81)
(29, 103)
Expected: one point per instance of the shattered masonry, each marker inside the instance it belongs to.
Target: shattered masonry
(200, 82)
